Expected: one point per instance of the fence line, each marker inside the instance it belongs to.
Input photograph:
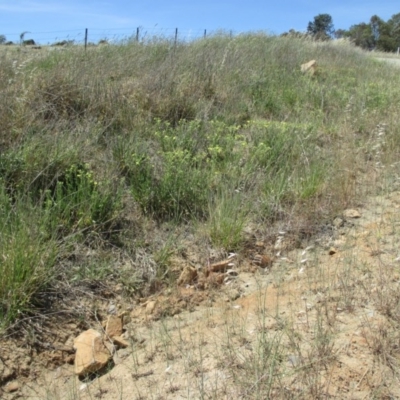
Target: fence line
(86, 36)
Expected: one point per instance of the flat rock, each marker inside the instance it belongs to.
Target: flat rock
(263, 261)
(220, 266)
(338, 222)
(11, 387)
(91, 353)
(351, 213)
(114, 326)
(151, 306)
(120, 341)
(309, 67)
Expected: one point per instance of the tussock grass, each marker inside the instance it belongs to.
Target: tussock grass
(105, 148)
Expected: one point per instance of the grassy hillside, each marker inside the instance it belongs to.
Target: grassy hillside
(139, 151)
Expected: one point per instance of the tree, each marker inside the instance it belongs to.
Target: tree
(340, 33)
(322, 27)
(294, 34)
(361, 35)
(377, 26)
(2, 39)
(394, 28)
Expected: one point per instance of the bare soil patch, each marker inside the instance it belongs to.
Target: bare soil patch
(327, 313)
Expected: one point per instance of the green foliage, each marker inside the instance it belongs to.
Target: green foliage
(214, 135)
(361, 35)
(376, 34)
(27, 258)
(227, 218)
(322, 27)
(78, 203)
(276, 146)
(3, 39)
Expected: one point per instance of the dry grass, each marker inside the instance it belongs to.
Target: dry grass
(128, 157)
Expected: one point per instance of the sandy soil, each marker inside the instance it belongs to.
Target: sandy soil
(321, 321)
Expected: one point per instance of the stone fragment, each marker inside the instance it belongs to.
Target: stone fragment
(188, 275)
(351, 213)
(338, 222)
(91, 353)
(219, 266)
(112, 309)
(151, 306)
(309, 67)
(11, 387)
(263, 261)
(120, 341)
(114, 326)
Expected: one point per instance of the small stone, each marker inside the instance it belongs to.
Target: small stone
(120, 341)
(263, 261)
(91, 353)
(338, 222)
(114, 326)
(351, 213)
(83, 386)
(309, 67)
(151, 306)
(232, 273)
(188, 275)
(294, 360)
(259, 244)
(112, 309)
(220, 266)
(11, 387)
(332, 251)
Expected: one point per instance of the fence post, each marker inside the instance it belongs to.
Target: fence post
(176, 36)
(137, 34)
(86, 37)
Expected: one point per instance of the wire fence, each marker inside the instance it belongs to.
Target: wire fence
(142, 34)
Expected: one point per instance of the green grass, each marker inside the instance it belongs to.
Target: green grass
(28, 258)
(106, 148)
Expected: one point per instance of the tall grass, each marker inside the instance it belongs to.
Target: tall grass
(28, 258)
(221, 133)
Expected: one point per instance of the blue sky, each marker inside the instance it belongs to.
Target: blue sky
(51, 20)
